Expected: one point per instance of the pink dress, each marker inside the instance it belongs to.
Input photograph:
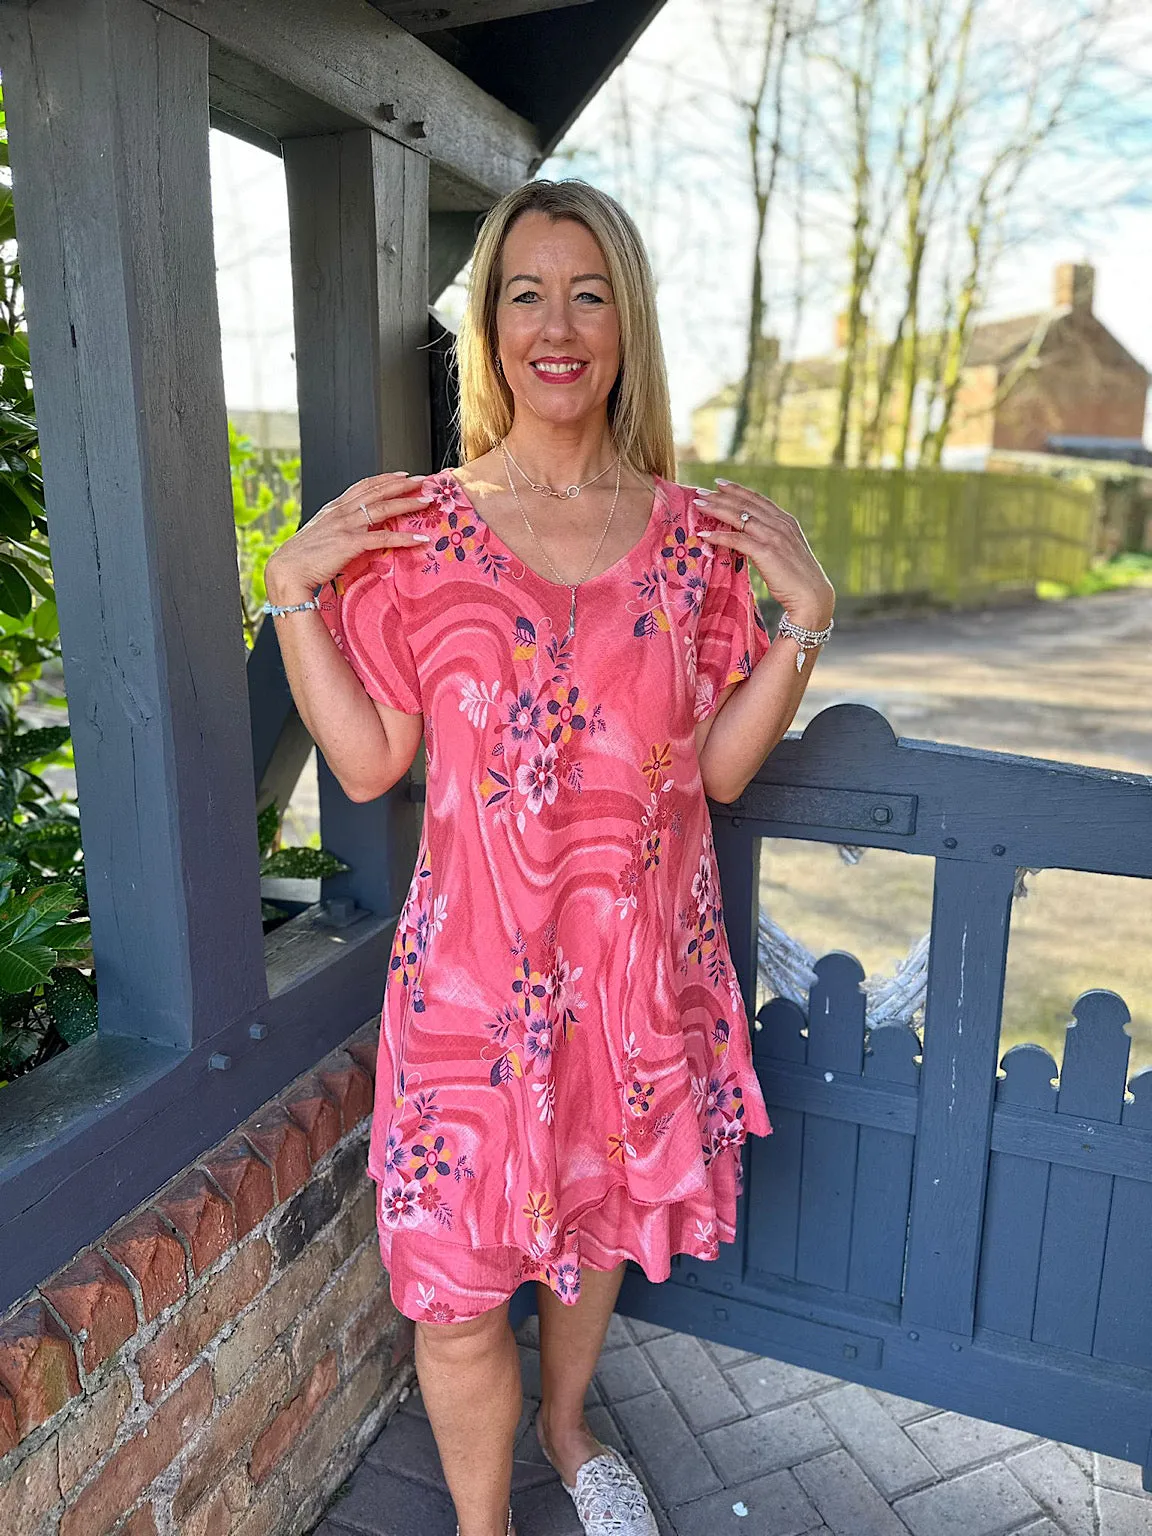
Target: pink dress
(564, 1074)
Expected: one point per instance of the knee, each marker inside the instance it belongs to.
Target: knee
(460, 1342)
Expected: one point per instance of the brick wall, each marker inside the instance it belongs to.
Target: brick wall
(217, 1362)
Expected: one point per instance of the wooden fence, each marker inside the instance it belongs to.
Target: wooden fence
(928, 535)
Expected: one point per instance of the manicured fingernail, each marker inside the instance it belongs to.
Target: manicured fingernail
(724, 482)
(425, 498)
(421, 538)
(704, 533)
(699, 502)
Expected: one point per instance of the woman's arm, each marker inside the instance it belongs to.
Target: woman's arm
(367, 745)
(753, 715)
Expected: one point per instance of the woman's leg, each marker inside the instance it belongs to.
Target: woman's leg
(571, 1338)
(469, 1376)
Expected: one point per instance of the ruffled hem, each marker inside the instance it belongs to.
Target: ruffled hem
(440, 1281)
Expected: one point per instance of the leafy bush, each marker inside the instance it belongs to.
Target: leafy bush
(1127, 570)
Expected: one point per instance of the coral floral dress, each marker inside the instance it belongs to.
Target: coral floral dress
(564, 1074)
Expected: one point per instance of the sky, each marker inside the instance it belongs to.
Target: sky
(693, 208)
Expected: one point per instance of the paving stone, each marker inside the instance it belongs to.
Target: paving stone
(1043, 1527)
(695, 1381)
(678, 1468)
(605, 1428)
(1121, 1514)
(1058, 1485)
(1124, 1476)
(381, 1504)
(529, 1331)
(764, 1383)
(902, 1409)
(986, 1502)
(776, 1506)
(642, 1331)
(844, 1498)
(878, 1443)
(725, 1354)
(772, 1440)
(1079, 1455)
(407, 1448)
(624, 1373)
(546, 1511)
(617, 1336)
(952, 1441)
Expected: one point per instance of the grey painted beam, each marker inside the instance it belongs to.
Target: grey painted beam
(420, 17)
(108, 123)
(970, 915)
(358, 217)
(451, 236)
(306, 68)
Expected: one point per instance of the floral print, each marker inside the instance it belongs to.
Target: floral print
(564, 1076)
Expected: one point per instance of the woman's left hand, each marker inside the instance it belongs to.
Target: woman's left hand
(774, 542)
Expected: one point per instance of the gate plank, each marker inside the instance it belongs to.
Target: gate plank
(1079, 1201)
(1014, 1208)
(828, 1180)
(1124, 1322)
(883, 1174)
(775, 1164)
(970, 915)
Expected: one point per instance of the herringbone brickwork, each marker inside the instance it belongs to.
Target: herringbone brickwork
(732, 1444)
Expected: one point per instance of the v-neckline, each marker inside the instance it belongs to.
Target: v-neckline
(563, 586)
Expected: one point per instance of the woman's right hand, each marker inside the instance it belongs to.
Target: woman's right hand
(339, 530)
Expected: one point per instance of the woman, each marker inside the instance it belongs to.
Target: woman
(564, 1076)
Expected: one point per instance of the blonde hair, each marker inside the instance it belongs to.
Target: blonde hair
(639, 412)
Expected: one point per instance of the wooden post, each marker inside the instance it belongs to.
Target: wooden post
(971, 908)
(358, 212)
(107, 104)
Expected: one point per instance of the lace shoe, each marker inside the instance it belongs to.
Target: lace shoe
(609, 1499)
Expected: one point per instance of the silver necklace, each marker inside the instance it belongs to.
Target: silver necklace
(571, 585)
(571, 490)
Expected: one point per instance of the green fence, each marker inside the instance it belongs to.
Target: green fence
(927, 535)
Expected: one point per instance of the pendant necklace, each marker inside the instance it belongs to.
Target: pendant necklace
(571, 585)
(570, 490)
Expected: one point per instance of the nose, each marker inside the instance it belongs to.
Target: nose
(556, 319)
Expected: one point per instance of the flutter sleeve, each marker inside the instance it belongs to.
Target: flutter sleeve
(731, 636)
(361, 608)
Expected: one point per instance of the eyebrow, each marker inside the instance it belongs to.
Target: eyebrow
(583, 277)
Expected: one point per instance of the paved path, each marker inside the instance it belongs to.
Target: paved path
(733, 1444)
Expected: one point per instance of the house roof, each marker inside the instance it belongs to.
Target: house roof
(995, 343)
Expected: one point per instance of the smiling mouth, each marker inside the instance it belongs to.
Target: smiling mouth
(560, 371)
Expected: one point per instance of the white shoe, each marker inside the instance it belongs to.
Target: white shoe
(609, 1498)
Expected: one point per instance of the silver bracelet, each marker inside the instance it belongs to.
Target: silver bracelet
(806, 639)
(313, 602)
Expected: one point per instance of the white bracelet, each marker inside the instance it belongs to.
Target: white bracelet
(806, 639)
(313, 602)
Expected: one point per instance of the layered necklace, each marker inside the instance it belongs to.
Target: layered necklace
(570, 491)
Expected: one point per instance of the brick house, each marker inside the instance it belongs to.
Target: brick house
(1030, 383)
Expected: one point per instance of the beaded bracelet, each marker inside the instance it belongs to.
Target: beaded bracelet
(313, 602)
(806, 639)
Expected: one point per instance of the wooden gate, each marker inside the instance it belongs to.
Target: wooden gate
(918, 1222)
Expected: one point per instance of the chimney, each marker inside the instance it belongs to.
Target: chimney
(1073, 286)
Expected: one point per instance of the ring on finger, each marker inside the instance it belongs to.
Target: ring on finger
(744, 517)
(364, 509)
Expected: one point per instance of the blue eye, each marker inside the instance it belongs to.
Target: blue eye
(595, 297)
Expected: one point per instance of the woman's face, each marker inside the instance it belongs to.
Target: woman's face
(557, 326)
